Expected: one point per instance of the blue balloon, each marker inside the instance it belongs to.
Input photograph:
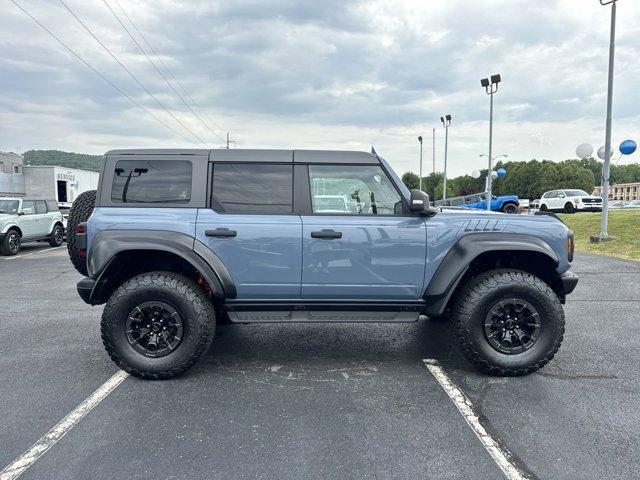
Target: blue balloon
(628, 147)
(501, 172)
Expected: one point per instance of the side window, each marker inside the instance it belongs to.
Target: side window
(353, 190)
(41, 206)
(28, 207)
(151, 181)
(551, 194)
(252, 188)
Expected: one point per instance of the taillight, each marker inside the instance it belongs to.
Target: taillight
(81, 228)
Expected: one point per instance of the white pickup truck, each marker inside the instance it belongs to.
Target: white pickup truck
(26, 220)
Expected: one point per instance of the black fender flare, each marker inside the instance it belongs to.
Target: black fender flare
(106, 245)
(457, 260)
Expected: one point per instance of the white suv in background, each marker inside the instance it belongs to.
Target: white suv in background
(28, 219)
(569, 201)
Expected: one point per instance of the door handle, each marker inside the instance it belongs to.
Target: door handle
(220, 232)
(326, 234)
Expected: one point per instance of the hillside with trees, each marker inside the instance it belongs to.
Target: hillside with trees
(528, 179)
(59, 158)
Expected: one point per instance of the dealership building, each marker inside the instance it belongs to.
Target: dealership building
(43, 181)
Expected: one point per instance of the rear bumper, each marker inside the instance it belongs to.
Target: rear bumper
(569, 282)
(85, 289)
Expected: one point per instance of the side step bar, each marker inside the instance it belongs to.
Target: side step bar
(320, 316)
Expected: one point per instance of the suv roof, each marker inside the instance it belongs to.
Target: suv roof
(263, 155)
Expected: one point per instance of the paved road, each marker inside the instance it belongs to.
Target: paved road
(317, 401)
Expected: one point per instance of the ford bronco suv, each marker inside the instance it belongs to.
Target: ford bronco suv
(175, 241)
(26, 220)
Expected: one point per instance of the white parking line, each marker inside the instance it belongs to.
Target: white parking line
(31, 253)
(465, 407)
(28, 458)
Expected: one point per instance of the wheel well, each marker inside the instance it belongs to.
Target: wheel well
(126, 265)
(16, 228)
(535, 263)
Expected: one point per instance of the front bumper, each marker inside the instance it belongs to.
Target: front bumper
(569, 282)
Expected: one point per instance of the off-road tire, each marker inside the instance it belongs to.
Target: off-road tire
(57, 236)
(569, 208)
(5, 248)
(81, 210)
(181, 293)
(475, 299)
(510, 208)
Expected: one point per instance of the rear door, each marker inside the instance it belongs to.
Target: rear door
(43, 221)
(251, 226)
(368, 248)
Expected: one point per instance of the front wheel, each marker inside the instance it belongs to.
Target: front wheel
(569, 208)
(543, 208)
(157, 325)
(508, 322)
(11, 243)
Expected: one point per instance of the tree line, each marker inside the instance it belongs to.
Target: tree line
(59, 158)
(527, 179)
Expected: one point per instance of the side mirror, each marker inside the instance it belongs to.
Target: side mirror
(419, 203)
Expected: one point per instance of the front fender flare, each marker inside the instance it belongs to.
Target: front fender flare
(464, 251)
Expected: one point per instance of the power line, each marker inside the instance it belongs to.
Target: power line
(131, 74)
(167, 68)
(166, 80)
(99, 74)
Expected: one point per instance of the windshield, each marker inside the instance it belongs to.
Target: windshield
(9, 206)
(576, 193)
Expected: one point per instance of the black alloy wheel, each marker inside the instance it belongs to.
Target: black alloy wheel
(154, 329)
(512, 326)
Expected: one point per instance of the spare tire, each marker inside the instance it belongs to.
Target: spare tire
(81, 210)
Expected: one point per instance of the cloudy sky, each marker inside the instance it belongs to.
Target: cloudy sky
(320, 74)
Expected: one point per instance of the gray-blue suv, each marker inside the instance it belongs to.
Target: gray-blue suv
(177, 241)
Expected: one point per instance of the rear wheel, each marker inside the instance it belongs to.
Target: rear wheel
(508, 322)
(81, 210)
(57, 234)
(157, 325)
(510, 208)
(11, 243)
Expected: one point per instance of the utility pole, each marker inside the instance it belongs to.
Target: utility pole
(420, 182)
(229, 141)
(490, 88)
(446, 122)
(606, 165)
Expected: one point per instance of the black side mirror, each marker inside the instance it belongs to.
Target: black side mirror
(419, 203)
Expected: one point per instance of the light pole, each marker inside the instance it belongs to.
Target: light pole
(434, 150)
(420, 183)
(606, 165)
(446, 122)
(504, 155)
(490, 88)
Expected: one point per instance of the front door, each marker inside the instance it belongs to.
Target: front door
(251, 227)
(357, 243)
(29, 220)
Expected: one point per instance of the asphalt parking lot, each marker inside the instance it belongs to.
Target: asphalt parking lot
(317, 401)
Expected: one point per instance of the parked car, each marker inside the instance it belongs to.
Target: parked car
(504, 203)
(570, 201)
(26, 220)
(632, 204)
(177, 241)
(534, 204)
(616, 204)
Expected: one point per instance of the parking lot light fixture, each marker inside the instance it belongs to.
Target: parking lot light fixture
(446, 122)
(491, 87)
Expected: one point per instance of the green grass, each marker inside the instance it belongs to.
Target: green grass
(625, 225)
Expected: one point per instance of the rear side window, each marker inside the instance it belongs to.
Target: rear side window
(252, 188)
(41, 206)
(152, 181)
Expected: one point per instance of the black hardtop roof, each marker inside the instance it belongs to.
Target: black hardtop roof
(260, 155)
